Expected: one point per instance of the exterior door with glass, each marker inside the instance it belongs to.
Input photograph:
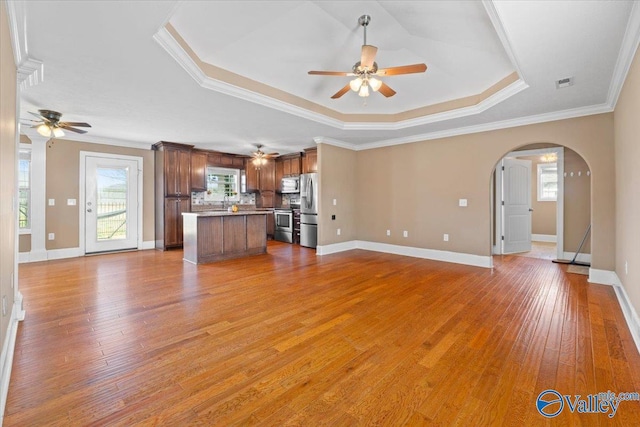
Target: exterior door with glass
(110, 204)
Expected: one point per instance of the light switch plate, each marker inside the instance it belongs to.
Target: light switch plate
(71, 202)
(52, 202)
(462, 202)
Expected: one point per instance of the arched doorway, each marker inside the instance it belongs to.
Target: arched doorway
(557, 215)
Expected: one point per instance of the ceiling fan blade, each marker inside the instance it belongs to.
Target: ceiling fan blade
(331, 73)
(77, 124)
(405, 69)
(66, 127)
(341, 92)
(386, 90)
(39, 116)
(368, 55)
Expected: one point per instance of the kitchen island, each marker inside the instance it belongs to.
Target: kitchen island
(211, 236)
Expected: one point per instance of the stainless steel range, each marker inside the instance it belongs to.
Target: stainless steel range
(284, 224)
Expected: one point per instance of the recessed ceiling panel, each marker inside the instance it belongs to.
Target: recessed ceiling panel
(276, 43)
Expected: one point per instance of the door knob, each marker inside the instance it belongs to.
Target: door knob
(530, 210)
(89, 210)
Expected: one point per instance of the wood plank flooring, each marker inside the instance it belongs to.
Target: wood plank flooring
(289, 338)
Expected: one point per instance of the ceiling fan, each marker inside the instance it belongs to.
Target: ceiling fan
(260, 157)
(365, 70)
(49, 124)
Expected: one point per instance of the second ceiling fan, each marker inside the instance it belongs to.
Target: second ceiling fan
(366, 70)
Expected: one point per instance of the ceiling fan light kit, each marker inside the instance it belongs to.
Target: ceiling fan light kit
(365, 70)
(49, 124)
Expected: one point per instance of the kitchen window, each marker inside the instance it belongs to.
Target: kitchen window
(24, 190)
(547, 182)
(222, 185)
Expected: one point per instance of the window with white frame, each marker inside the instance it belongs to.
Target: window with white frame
(223, 184)
(24, 190)
(547, 182)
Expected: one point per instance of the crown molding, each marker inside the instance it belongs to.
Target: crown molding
(496, 21)
(627, 52)
(35, 138)
(168, 43)
(335, 142)
(30, 71)
(485, 127)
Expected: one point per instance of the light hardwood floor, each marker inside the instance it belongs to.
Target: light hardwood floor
(289, 338)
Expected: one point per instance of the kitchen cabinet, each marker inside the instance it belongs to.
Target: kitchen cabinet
(251, 173)
(199, 170)
(279, 171)
(225, 160)
(174, 207)
(172, 191)
(267, 175)
(310, 160)
(271, 224)
(177, 170)
(288, 165)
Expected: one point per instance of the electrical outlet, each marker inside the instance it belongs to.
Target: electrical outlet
(388, 232)
(462, 202)
(338, 231)
(626, 267)
(405, 233)
(446, 237)
(52, 202)
(335, 202)
(52, 236)
(4, 305)
(71, 202)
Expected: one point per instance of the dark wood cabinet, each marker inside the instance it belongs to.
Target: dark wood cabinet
(172, 191)
(287, 165)
(173, 208)
(271, 225)
(251, 174)
(225, 160)
(199, 170)
(268, 177)
(279, 171)
(177, 171)
(310, 160)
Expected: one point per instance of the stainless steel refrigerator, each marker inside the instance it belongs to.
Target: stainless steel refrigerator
(309, 210)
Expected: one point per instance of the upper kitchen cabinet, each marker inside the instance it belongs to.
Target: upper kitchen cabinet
(267, 175)
(199, 170)
(225, 160)
(288, 165)
(251, 173)
(173, 168)
(310, 160)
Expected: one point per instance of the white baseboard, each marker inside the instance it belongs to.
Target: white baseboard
(151, 244)
(581, 257)
(551, 238)
(433, 254)
(24, 257)
(603, 277)
(8, 347)
(336, 247)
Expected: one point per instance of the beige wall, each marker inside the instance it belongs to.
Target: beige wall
(416, 187)
(543, 217)
(63, 182)
(337, 181)
(577, 202)
(8, 182)
(627, 156)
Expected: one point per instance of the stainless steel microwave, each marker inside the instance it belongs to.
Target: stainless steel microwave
(290, 184)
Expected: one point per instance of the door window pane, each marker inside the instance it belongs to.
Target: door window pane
(111, 203)
(547, 182)
(24, 189)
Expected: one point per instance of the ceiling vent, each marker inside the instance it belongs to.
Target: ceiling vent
(566, 82)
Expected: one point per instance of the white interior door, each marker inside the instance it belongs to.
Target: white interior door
(110, 204)
(516, 196)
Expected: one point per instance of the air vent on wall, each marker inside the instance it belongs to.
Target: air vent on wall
(566, 82)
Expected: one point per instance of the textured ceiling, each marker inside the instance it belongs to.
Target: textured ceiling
(115, 65)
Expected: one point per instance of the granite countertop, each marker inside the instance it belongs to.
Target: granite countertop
(224, 213)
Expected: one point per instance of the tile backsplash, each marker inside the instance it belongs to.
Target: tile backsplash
(197, 198)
